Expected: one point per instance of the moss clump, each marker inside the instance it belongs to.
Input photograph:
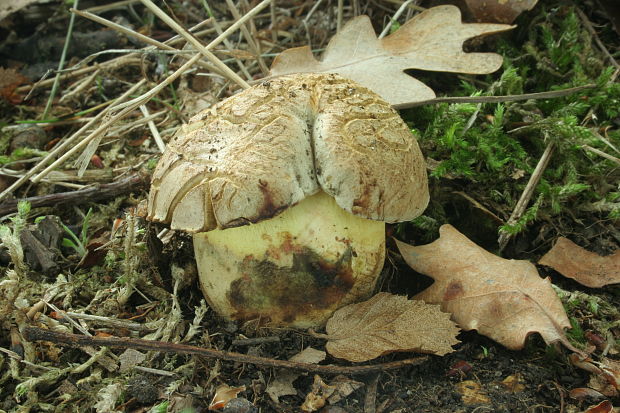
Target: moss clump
(491, 150)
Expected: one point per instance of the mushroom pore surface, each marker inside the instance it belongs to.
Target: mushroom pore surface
(327, 160)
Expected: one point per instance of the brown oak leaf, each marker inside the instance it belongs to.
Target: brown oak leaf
(499, 11)
(585, 267)
(505, 300)
(387, 323)
(432, 40)
(9, 80)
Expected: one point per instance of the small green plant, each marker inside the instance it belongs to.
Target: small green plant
(11, 237)
(576, 333)
(78, 244)
(160, 408)
(20, 154)
(485, 351)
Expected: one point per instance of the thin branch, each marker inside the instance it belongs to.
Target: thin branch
(590, 29)
(601, 153)
(497, 99)
(94, 193)
(526, 196)
(76, 340)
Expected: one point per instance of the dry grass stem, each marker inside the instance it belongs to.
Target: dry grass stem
(72, 92)
(394, 18)
(127, 108)
(108, 321)
(339, 15)
(601, 153)
(63, 145)
(254, 46)
(194, 42)
(230, 46)
(154, 43)
(112, 6)
(154, 132)
(527, 193)
(134, 103)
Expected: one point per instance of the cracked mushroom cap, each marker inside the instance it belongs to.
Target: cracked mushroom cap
(267, 148)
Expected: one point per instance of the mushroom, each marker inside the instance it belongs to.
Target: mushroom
(287, 187)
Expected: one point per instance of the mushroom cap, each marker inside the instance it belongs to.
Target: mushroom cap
(265, 149)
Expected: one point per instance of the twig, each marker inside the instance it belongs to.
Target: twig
(496, 99)
(370, 401)
(519, 209)
(61, 64)
(339, 15)
(601, 153)
(75, 340)
(255, 341)
(590, 29)
(95, 193)
(561, 392)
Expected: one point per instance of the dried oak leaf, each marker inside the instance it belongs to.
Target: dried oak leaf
(432, 40)
(9, 80)
(282, 385)
(603, 407)
(505, 300)
(585, 267)
(498, 11)
(388, 323)
(9, 7)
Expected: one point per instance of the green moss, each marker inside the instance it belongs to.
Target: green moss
(491, 150)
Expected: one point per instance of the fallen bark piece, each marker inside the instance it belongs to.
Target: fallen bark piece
(224, 394)
(318, 396)
(432, 40)
(282, 385)
(388, 323)
(472, 393)
(505, 300)
(98, 192)
(583, 266)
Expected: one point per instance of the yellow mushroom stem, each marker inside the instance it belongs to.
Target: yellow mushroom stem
(294, 269)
